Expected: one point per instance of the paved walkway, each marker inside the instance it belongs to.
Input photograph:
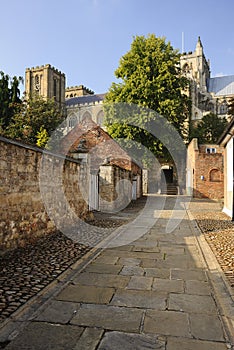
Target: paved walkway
(155, 292)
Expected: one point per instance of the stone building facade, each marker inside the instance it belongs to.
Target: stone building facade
(86, 106)
(46, 81)
(205, 175)
(227, 141)
(75, 91)
(114, 179)
(208, 94)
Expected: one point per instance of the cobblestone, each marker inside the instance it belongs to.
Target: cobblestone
(218, 230)
(101, 308)
(26, 271)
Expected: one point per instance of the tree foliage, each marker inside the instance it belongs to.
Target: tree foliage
(209, 129)
(34, 121)
(9, 98)
(231, 107)
(150, 77)
(42, 137)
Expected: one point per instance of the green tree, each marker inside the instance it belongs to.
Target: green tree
(35, 120)
(9, 98)
(42, 137)
(209, 129)
(231, 107)
(151, 78)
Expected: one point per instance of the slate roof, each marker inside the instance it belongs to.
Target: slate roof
(222, 86)
(227, 134)
(84, 99)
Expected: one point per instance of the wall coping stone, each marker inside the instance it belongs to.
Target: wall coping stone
(38, 149)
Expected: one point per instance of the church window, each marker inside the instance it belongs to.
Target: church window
(186, 68)
(86, 115)
(37, 83)
(72, 121)
(223, 108)
(210, 107)
(100, 118)
(55, 88)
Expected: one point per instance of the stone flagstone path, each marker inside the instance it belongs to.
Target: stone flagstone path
(153, 293)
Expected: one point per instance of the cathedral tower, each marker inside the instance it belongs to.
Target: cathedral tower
(195, 66)
(47, 82)
(197, 69)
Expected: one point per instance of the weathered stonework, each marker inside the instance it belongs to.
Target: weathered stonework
(205, 177)
(113, 196)
(118, 178)
(23, 214)
(46, 81)
(80, 90)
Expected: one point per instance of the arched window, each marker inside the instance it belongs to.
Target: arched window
(215, 175)
(100, 118)
(185, 68)
(37, 83)
(210, 107)
(223, 108)
(55, 88)
(72, 121)
(86, 115)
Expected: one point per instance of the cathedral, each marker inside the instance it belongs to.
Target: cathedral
(207, 94)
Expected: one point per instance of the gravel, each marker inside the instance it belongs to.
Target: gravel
(218, 230)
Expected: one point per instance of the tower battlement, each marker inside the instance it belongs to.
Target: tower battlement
(78, 90)
(46, 81)
(45, 66)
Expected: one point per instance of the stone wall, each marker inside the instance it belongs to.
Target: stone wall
(23, 215)
(115, 188)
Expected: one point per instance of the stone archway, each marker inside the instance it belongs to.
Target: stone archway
(168, 183)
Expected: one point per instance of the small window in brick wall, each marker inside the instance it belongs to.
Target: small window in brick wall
(215, 175)
(211, 150)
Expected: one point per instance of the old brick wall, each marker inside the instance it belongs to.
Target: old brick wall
(23, 217)
(206, 169)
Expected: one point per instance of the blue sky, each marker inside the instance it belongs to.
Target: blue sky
(86, 38)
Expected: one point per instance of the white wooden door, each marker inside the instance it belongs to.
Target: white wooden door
(93, 192)
(134, 189)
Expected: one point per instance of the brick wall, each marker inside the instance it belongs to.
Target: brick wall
(206, 169)
(23, 217)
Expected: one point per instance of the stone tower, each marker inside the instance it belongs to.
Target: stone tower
(197, 69)
(46, 81)
(195, 66)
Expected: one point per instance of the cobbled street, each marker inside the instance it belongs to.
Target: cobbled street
(26, 271)
(154, 291)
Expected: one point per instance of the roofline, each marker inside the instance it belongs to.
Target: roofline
(222, 76)
(227, 134)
